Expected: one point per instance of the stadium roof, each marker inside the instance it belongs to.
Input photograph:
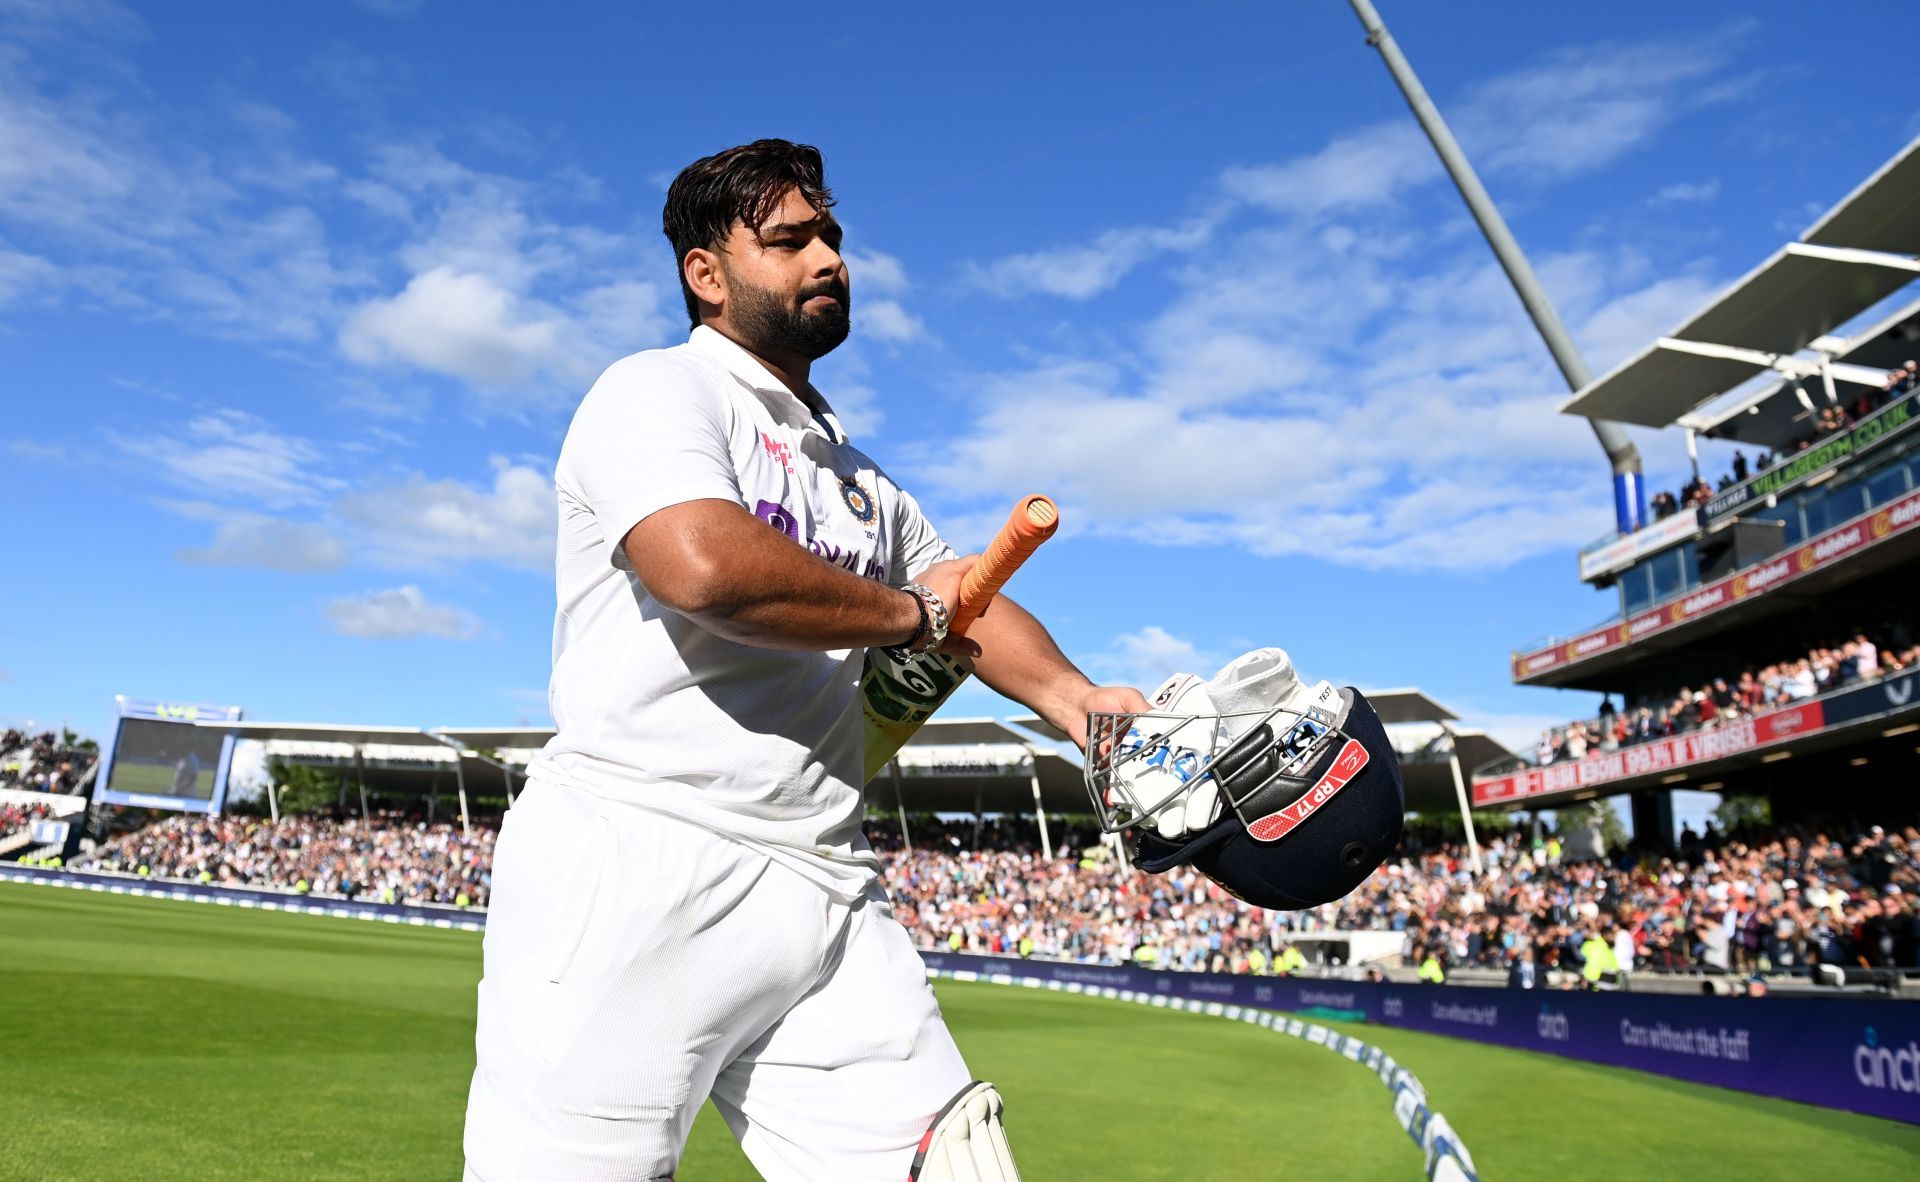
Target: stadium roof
(1771, 416)
(516, 737)
(1800, 294)
(322, 732)
(1882, 214)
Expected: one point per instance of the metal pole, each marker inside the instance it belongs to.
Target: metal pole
(1460, 794)
(1039, 809)
(1826, 379)
(508, 773)
(899, 799)
(460, 784)
(1629, 493)
(976, 816)
(273, 800)
(360, 772)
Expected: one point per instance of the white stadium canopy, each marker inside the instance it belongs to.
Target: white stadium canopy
(1859, 254)
(1882, 214)
(1771, 416)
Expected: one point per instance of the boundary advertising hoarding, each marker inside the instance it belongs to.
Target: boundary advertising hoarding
(1816, 553)
(172, 783)
(1859, 1054)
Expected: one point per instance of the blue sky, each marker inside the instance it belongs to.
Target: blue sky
(295, 301)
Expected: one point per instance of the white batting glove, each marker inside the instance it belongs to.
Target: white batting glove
(1252, 684)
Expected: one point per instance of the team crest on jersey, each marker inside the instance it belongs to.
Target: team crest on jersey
(859, 500)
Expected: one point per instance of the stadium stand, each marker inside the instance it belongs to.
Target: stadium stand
(1778, 902)
(16, 818)
(40, 763)
(1850, 658)
(387, 858)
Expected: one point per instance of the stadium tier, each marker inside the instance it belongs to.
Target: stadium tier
(1763, 640)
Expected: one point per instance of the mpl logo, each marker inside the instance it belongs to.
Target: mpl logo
(1887, 1068)
(1552, 1025)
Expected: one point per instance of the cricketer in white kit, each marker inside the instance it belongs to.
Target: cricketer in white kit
(684, 906)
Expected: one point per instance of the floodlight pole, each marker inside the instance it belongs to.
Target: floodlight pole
(1629, 489)
(360, 774)
(900, 801)
(1039, 806)
(1460, 794)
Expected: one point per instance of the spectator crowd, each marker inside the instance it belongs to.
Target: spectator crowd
(389, 859)
(1776, 901)
(1830, 420)
(15, 818)
(1714, 703)
(41, 763)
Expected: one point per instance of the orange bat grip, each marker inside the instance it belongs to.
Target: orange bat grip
(1033, 521)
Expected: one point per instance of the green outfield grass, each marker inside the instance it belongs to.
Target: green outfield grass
(157, 1040)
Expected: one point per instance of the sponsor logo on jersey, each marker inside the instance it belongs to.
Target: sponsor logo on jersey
(1346, 765)
(781, 453)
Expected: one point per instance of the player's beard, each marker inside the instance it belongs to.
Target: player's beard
(772, 323)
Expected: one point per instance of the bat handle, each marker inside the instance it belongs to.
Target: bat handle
(1033, 521)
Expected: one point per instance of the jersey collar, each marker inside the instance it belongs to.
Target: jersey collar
(747, 370)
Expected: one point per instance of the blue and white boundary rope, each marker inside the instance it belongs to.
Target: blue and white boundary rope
(219, 897)
(1447, 1160)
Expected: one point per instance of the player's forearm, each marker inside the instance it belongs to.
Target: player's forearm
(753, 586)
(1019, 660)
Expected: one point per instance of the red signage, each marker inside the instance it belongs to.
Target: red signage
(1825, 550)
(1661, 755)
(1277, 825)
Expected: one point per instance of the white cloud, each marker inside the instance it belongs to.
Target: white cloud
(1328, 376)
(399, 613)
(1148, 656)
(231, 455)
(1357, 170)
(1081, 272)
(461, 324)
(1687, 191)
(257, 540)
(247, 233)
(874, 271)
(887, 321)
(1416, 431)
(429, 523)
(1578, 111)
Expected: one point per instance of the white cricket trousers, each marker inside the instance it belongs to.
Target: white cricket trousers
(636, 964)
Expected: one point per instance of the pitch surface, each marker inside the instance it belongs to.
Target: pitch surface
(162, 1040)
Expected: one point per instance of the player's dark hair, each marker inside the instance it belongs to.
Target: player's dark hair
(744, 184)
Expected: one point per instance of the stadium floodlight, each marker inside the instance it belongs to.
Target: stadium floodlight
(1629, 489)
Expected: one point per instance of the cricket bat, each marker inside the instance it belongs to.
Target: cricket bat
(898, 696)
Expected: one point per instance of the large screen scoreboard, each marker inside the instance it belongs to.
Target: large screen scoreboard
(161, 760)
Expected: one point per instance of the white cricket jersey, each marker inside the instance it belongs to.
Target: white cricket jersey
(762, 745)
